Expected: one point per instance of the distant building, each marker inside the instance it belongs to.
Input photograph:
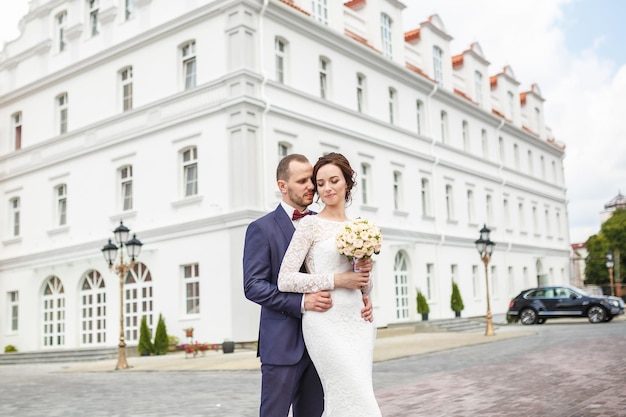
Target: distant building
(619, 201)
(171, 117)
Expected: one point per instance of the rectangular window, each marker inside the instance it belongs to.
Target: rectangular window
(425, 190)
(466, 136)
(126, 187)
(444, 127)
(323, 78)
(419, 110)
(494, 282)
(430, 268)
(489, 209)
(61, 20)
(61, 204)
(360, 87)
(129, 8)
(365, 181)
(13, 304)
(397, 190)
(14, 210)
(485, 143)
(507, 214)
(16, 120)
(126, 78)
(189, 64)
(190, 171)
(283, 150)
(511, 101)
(521, 217)
(319, 11)
(453, 273)
(62, 109)
(471, 216)
(501, 148)
(516, 156)
(449, 202)
(531, 168)
(93, 7)
(475, 282)
(392, 105)
(191, 277)
(437, 62)
(279, 51)
(478, 86)
(386, 35)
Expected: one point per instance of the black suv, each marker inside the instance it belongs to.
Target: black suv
(536, 305)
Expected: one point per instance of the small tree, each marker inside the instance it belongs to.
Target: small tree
(145, 345)
(456, 302)
(422, 306)
(161, 341)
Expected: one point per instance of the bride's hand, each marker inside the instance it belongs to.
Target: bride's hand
(352, 280)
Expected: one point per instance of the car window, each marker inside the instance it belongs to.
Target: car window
(562, 292)
(542, 293)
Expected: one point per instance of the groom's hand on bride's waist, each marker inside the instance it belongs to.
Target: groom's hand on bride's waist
(318, 301)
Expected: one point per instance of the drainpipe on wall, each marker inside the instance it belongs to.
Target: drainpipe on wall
(267, 105)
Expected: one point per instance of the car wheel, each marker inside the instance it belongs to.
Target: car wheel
(596, 314)
(528, 316)
(541, 321)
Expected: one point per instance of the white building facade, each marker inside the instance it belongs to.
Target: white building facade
(172, 116)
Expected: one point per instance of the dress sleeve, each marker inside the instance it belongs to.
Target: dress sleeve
(290, 279)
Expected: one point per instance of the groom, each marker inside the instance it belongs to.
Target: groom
(288, 377)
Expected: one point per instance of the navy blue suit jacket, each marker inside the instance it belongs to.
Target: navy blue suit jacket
(280, 328)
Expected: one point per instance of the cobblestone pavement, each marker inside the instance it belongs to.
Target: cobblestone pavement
(566, 369)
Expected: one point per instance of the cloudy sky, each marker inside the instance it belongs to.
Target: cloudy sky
(573, 49)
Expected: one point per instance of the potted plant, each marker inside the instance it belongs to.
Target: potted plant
(188, 332)
(10, 349)
(422, 306)
(228, 346)
(456, 302)
(172, 342)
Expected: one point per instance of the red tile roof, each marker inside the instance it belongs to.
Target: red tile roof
(457, 60)
(290, 3)
(353, 3)
(360, 39)
(412, 35)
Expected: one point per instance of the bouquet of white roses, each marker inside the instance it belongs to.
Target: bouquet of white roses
(359, 238)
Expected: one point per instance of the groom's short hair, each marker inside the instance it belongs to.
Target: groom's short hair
(282, 171)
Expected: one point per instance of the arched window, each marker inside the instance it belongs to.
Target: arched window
(137, 301)
(93, 309)
(53, 313)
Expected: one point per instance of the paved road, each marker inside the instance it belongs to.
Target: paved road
(566, 369)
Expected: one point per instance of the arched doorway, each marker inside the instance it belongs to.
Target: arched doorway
(53, 312)
(92, 309)
(138, 300)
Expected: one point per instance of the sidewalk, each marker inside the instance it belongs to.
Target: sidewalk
(387, 347)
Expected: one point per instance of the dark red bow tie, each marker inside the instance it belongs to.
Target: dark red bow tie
(297, 215)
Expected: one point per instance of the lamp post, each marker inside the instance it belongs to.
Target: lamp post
(133, 246)
(485, 248)
(609, 264)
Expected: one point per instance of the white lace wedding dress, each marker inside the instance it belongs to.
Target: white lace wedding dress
(340, 342)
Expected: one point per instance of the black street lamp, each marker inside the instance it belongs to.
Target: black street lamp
(133, 246)
(484, 245)
(609, 264)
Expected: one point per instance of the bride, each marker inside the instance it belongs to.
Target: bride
(339, 341)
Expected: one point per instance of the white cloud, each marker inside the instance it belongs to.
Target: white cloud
(584, 94)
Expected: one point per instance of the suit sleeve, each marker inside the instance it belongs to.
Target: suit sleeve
(261, 259)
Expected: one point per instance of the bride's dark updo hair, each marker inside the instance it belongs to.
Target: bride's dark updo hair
(340, 161)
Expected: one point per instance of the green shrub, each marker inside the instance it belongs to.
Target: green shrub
(10, 348)
(145, 344)
(456, 302)
(422, 304)
(161, 341)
